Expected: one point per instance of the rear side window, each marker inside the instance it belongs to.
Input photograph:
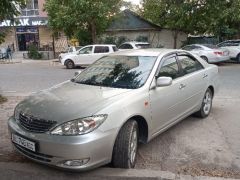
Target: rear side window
(169, 68)
(101, 49)
(189, 65)
(125, 46)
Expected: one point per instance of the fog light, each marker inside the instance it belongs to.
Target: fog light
(76, 162)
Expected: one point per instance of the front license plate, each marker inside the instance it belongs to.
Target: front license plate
(23, 142)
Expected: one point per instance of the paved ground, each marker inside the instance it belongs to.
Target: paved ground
(194, 146)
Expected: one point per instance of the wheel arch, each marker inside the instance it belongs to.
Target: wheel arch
(212, 89)
(143, 128)
(67, 61)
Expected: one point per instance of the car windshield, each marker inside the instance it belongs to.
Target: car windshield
(129, 72)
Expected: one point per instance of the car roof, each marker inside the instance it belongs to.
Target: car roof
(135, 42)
(146, 52)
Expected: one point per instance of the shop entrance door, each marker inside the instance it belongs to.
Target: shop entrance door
(27, 36)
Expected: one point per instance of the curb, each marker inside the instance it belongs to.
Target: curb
(27, 171)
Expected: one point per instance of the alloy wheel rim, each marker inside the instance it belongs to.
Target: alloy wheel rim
(207, 102)
(133, 146)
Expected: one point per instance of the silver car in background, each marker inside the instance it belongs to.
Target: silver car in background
(209, 52)
(102, 114)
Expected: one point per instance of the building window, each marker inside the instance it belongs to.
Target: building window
(31, 8)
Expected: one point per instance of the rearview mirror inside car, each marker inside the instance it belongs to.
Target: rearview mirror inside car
(163, 81)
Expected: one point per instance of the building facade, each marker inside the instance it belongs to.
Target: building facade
(29, 27)
(129, 26)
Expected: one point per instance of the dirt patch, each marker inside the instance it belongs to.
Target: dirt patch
(203, 170)
(2, 99)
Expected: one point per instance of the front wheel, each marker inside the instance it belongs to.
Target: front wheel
(206, 106)
(70, 64)
(125, 147)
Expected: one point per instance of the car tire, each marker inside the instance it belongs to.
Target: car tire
(69, 64)
(206, 105)
(125, 147)
(238, 58)
(204, 58)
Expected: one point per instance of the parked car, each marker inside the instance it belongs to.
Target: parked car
(3, 53)
(102, 114)
(134, 45)
(209, 52)
(70, 50)
(88, 55)
(233, 46)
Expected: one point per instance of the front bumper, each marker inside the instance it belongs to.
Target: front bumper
(55, 150)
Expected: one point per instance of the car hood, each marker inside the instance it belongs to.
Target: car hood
(69, 101)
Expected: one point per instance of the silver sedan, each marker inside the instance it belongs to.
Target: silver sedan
(209, 52)
(102, 114)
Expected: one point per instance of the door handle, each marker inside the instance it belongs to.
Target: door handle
(205, 75)
(182, 86)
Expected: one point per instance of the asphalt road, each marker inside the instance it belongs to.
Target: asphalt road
(24, 78)
(193, 146)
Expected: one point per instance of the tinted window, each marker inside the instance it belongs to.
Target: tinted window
(189, 64)
(129, 72)
(86, 50)
(126, 46)
(101, 49)
(169, 68)
(143, 46)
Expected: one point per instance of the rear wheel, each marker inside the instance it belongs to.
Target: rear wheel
(206, 106)
(125, 147)
(70, 64)
(204, 58)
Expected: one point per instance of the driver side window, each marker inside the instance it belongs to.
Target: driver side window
(169, 68)
(86, 50)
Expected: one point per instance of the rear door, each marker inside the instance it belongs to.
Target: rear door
(194, 81)
(99, 51)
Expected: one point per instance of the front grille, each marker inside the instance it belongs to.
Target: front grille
(34, 155)
(33, 124)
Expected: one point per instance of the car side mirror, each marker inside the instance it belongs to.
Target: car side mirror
(163, 81)
(77, 73)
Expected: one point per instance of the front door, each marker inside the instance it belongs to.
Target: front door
(167, 103)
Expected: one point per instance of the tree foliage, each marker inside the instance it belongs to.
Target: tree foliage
(217, 17)
(84, 19)
(8, 10)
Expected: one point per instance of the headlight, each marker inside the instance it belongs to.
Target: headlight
(79, 126)
(16, 113)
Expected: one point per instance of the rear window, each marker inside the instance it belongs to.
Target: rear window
(143, 46)
(101, 49)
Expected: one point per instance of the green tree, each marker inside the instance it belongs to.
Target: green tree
(81, 18)
(8, 10)
(216, 17)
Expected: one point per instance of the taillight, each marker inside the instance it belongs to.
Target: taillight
(218, 53)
